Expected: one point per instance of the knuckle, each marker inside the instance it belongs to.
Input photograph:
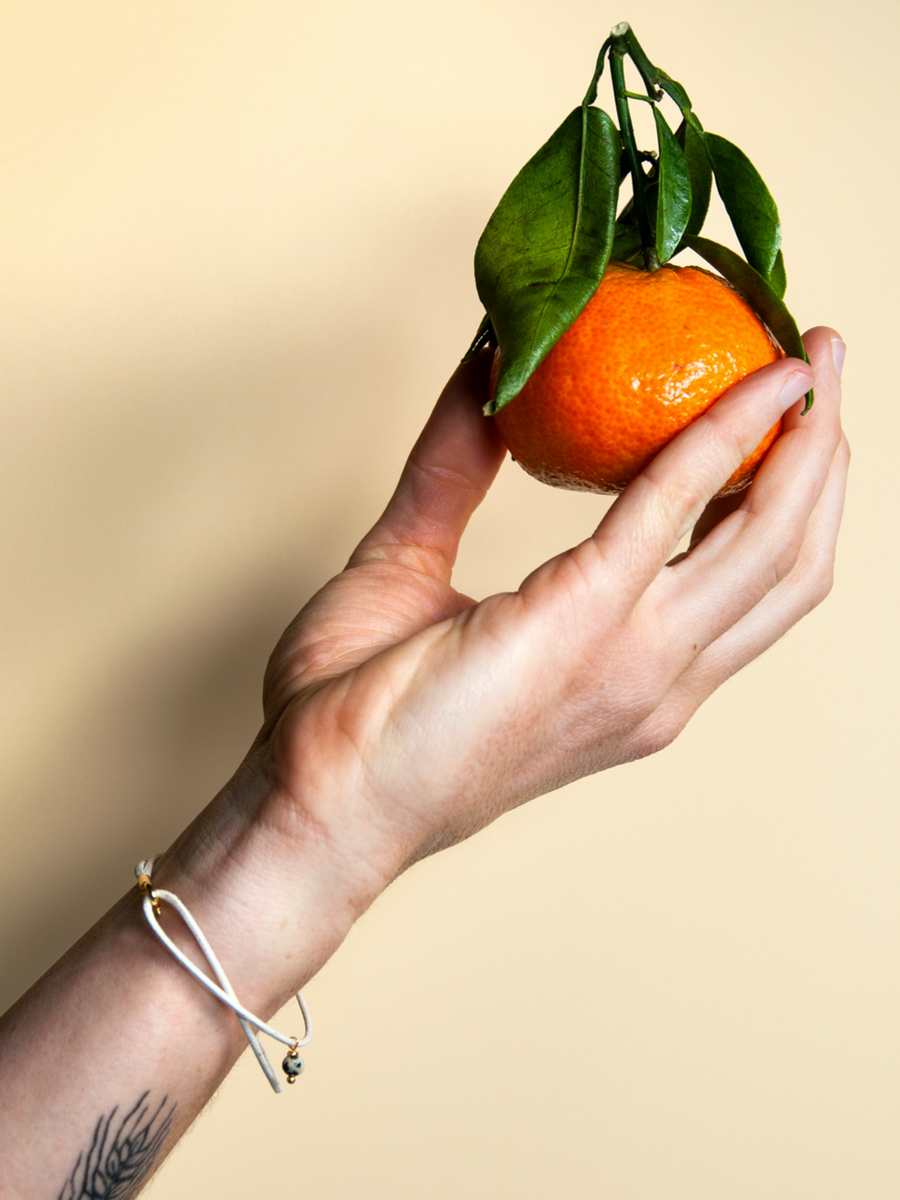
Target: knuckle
(645, 711)
(650, 486)
(780, 571)
(446, 476)
(658, 732)
(691, 501)
(822, 584)
(733, 440)
(679, 498)
(786, 554)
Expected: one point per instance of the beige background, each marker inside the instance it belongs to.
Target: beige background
(235, 267)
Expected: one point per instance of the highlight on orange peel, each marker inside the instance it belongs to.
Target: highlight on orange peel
(650, 352)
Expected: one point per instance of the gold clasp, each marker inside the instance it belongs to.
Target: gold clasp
(146, 886)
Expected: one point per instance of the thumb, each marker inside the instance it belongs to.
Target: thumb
(446, 477)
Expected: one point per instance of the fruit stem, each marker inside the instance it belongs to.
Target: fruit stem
(638, 179)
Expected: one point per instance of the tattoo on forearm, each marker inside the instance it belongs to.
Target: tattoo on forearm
(122, 1153)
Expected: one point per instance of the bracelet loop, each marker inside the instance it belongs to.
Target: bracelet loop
(292, 1064)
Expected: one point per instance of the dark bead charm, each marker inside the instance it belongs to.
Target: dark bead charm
(292, 1066)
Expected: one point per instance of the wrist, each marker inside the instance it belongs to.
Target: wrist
(273, 893)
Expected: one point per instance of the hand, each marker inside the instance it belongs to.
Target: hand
(402, 716)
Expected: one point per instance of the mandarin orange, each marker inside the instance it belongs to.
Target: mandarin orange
(651, 352)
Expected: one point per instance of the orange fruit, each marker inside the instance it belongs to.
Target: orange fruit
(651, 352)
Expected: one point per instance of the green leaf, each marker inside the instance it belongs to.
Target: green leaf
(673, 205)
(759, 294)
(484, 336)
(700, 172)
(628, 216)
(591, 94)
(748, 202)
(544, 250)
(626, 242)
(778, 278)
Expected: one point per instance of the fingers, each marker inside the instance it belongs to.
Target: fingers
(758, 544)
(717, 510)
(714, 513)
(806, 586)
(451, 466)
(640, 532)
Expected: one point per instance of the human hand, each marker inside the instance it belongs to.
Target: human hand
(401, 716)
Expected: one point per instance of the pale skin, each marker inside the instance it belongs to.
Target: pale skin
(401, 717)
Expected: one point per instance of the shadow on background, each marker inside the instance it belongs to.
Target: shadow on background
(156, 748)
(127, 760)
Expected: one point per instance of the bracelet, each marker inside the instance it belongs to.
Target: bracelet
(293, 1063)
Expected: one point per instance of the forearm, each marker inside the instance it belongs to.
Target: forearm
(403, 718)
(117, 1021)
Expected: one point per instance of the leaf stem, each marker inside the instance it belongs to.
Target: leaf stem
(617, 70)
(624, 35)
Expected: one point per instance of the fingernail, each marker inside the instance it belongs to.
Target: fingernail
(838, 350)
(797, 384)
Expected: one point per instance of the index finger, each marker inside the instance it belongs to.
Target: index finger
(641, 531)
(754, 548)
(723, 506)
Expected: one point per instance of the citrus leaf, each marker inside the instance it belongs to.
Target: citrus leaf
(544, 250)
(758, 293)
(778, 278)
(591, 94)
(484, 336)
(748, 203)
(673, 205)
(700, 172)
(626, 242)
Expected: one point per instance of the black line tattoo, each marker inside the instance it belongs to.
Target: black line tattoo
(117, 1163)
